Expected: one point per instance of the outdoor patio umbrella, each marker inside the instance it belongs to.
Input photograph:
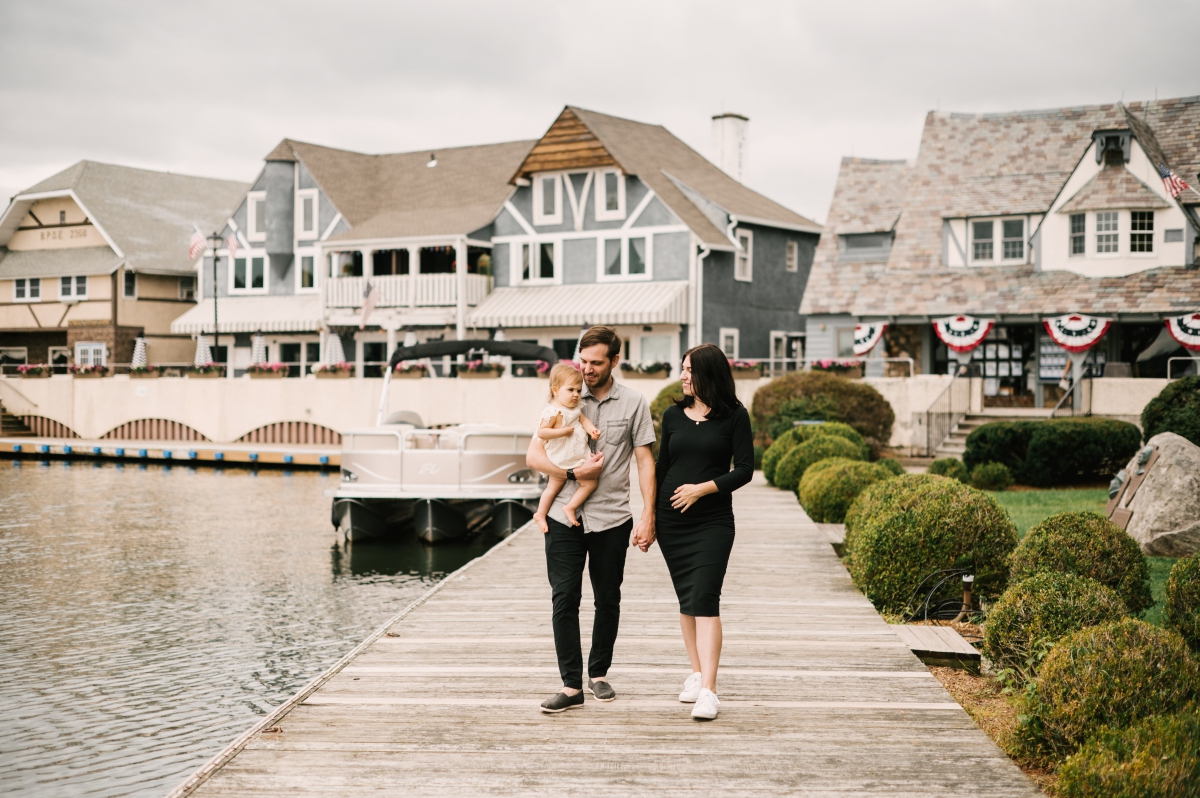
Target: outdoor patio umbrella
(258, 352)
(333, 349)
(139, 354)
(203, 352)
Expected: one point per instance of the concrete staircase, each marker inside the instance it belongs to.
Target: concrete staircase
(956, 443)
(12, 426)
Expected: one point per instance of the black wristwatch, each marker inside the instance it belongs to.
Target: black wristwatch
(571, 474)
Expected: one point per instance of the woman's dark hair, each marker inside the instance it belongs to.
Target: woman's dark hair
(712, 381)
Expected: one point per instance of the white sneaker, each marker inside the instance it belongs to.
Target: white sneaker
(706, 705)
(691, 689)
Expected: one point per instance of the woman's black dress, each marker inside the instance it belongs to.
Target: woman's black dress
(696, 543)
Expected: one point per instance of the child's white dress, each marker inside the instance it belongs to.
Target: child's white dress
(571, 450)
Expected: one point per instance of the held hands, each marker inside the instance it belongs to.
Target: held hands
(644, 534)
(687, 495)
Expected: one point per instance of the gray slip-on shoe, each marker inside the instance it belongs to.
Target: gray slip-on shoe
(601, 690)
(561, 702)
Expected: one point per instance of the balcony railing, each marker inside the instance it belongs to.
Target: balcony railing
(404, 290)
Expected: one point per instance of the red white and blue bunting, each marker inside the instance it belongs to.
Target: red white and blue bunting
(867, 335)
(1185, 329)
(1076, 332)
(962, 333)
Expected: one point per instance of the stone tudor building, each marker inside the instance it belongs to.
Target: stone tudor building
(96, 255)
(1017, 217)
(601, 221)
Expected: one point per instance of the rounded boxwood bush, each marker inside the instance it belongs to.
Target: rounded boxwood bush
(1158, 757)
(1112, 675)
(991, 476)
(1086, 544)
(949, 467)
(797, 435)
(796, 462)
(1039, 611)
(892, 465)
(877, 496)
(829, 486)
(1175, 409)
(919, 524)
(1182, 611)
(1055, 451)
(858, 404)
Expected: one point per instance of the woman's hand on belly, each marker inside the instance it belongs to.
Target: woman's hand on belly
(687, 495)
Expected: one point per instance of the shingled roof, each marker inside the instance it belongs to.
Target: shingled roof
(1113, 187)
(396, 195)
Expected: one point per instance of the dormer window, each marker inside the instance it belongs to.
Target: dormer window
(984, 247)
(1014, 239)
(1106, 233)
(256, 216)
(1141, 235)
(547, 200)
(610, 195)
(306, 213)
(997, 240)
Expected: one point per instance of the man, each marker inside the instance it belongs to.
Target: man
(603, 534)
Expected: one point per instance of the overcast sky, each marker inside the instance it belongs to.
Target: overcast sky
(210, 88)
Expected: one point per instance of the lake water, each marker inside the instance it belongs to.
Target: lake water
(149, 615)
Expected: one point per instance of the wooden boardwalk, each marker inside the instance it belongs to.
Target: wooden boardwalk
(818, 695)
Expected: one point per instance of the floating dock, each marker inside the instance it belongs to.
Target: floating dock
(818, 694)
(177, 452)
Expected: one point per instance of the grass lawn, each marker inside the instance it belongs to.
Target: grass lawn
(1027, 507)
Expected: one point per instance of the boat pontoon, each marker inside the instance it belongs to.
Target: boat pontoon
(399, 477)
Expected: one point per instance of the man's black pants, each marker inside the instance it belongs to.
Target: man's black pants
(566, 549)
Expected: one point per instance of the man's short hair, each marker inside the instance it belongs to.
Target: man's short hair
(602, 335)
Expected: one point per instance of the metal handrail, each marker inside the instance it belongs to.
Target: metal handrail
(930, 444)
(1195, 359)
(1070, 392)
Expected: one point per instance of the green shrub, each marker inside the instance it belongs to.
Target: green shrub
(1182, 610)
(1055, 451)
(991, 476)
(949, 467)
(907, 527)
(892, 466)
(1157, 758)
(1175, 409)
(1086, 544)
(1032, 615)
(793, 465)
(857, 403)
(790, 439)
(666, 397)
(758, 456)
(1112, 675)
(807, 408)
(829, 486)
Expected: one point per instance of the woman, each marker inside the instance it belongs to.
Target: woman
(701, 434)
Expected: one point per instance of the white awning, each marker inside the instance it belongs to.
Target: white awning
(591, 303)
(247, 314)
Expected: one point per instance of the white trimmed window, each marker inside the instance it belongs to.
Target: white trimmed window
(792, 263)
(90, 353)
(610, 195)
(27, 289)
(307, 222)
(1107, 233)
(1014, 239)
(1141, 232)
(743, 268)
(306, 272)
(129, 283)
(1078, 234)
(728, 338)
(547, 199)
(256, 216)
(72, 287)
(997, 240)
(187, 289)
(535, 261)
(248, 274)
(627, 257)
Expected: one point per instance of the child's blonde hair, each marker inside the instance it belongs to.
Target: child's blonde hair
(562, 374)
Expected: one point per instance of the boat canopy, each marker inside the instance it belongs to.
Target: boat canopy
(514, 349)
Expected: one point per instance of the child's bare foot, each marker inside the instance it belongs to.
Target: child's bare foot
(540, 520)
(569, 512)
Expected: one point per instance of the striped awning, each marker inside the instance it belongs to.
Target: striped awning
(247, 314)
(592, 303)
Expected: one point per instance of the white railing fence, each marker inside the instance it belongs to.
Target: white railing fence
(399, 290)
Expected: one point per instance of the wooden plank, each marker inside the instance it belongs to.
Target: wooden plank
(819, 695)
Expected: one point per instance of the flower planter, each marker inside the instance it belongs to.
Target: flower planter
(407, 375)
(31, 376)
(747, 374)
(144, 375)
(644, 375)
(479, 375)
(333, 375)
(267, 375)
(205, 375)
(89, 375)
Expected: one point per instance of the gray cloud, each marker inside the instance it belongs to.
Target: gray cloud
(209, 87)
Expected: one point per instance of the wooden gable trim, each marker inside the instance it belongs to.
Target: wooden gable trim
(568, 144)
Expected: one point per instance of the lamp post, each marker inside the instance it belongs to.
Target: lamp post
(214, 243)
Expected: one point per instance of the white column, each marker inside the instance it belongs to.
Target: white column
(391, 342)
(368, 270)
(358, 358)
(414, 269)
(460, 287)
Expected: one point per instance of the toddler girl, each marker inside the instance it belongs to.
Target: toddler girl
(564, 431)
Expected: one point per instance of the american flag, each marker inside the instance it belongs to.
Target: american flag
(232, 243)
(1173, 183)
(370, 295)
(197, 243)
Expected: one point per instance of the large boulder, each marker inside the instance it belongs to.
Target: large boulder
(1165, 510)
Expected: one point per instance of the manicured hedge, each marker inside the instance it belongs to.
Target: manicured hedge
(1157, 758)
(790, 439)
(891, 465)
(666, 397)
(1114, 675)
(1055, 451)
(1175, 409)
(1086, 544)
(991, 476)
(793, 465)
(950, 467)
(1036, 613)
(907, 527)
(857, 403)
(829, 486)
(1182, 611)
